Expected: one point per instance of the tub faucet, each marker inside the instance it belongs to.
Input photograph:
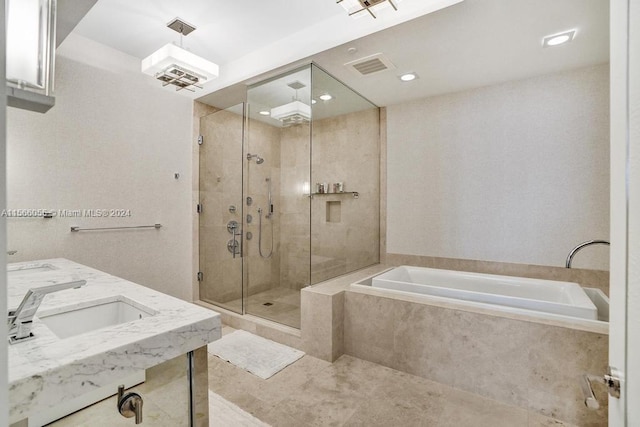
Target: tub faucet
(583, 245)
(21, 319)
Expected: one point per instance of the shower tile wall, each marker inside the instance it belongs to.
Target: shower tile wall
(346, 149)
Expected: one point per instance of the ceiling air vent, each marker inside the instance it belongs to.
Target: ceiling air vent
(370, 64)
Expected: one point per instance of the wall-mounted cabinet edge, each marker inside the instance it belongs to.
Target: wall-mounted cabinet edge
(20, 98)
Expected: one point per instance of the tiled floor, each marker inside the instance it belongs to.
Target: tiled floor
(354, 392)
(284, 306)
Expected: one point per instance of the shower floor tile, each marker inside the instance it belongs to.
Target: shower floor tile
(283, 305)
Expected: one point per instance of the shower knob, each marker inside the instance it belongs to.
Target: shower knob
(249, 218)
(232, 226)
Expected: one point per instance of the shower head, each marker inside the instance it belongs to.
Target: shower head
(259, 160)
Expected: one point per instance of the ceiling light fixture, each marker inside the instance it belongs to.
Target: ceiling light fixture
(354, 7)
(264, 113)
(294, 112)
(558, 39)
(408, 77)
(173, 65)
(325, 97)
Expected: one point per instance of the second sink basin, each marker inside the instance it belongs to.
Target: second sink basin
(37, 268)
(93, 316)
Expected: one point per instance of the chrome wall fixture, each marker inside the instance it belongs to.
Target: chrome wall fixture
(76, 228)
(129, 404)
(259, 160)
(234, 245)
(582, 245)
(30, 54)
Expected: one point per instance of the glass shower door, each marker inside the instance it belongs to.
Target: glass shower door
(221, 208)
(278, 158)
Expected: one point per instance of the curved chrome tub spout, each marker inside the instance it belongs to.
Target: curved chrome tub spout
(583, 245)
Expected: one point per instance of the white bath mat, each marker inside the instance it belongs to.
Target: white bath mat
(223, 413)
(260, 356)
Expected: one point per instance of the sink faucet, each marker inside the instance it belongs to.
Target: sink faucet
(583, 245)
(21, 319)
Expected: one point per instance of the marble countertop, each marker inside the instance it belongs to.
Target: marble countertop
(47, 370)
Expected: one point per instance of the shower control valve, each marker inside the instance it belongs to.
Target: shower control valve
(232, 226)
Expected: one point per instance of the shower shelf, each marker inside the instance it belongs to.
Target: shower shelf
(355, 194)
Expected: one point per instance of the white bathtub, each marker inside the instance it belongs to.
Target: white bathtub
(563, 298)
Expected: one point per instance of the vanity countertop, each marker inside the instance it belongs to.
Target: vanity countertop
(47, 370)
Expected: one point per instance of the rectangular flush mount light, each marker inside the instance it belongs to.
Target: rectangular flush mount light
(354, 7)
(173, 59)
(292, 113)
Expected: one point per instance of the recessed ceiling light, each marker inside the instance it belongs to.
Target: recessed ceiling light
(264, 113)
(313, 101)
(325, 97)
(558, 39)
(408, 77)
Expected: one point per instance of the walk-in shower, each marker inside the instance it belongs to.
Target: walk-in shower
(262, 165)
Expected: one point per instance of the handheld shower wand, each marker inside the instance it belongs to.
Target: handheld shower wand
(270, 201)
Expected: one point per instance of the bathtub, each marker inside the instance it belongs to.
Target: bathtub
(547, 296)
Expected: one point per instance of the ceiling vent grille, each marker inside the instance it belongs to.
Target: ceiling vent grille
(370, 65)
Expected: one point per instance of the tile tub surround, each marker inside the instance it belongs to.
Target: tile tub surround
(523, 363)
(48, 370)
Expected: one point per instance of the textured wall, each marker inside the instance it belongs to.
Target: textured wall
(346, 148)
(516, 172)
(113, 141)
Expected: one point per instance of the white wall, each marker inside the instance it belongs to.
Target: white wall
(4, 365)
(113, 141)
(633, 285)
(516, 172)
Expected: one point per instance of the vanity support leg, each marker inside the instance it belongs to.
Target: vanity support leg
(198, 377)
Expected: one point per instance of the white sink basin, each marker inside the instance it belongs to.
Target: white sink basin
(93, 316)
(31, 270)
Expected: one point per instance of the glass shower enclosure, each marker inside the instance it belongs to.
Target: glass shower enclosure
(289, 193)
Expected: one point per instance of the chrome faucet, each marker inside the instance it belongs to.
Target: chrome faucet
(583, 245)
(20, 320)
